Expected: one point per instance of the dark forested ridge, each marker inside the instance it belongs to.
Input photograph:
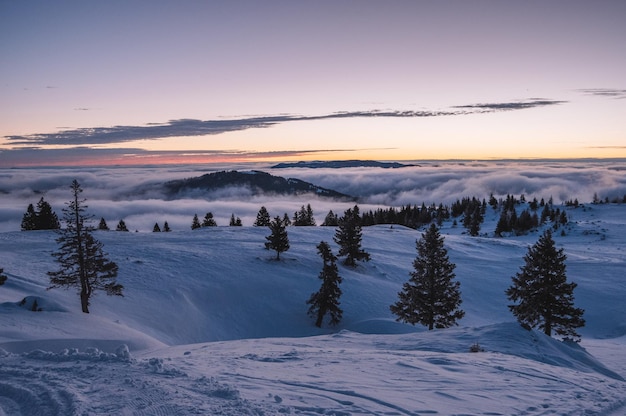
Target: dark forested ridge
(258, 182)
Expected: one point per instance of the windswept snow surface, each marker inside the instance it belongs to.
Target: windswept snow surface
(211, 324)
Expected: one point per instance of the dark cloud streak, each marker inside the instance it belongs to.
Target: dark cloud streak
(517, 105)
(618, 94)
(192, 127)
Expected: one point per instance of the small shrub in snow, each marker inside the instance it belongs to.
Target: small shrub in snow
(476, 348)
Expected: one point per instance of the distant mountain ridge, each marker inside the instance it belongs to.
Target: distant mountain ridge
(259, 182)
(338, 164)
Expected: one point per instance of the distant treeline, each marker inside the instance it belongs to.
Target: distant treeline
(517, 216)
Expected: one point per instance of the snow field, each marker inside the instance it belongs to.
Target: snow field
(213, 325)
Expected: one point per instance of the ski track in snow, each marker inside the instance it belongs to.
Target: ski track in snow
(134, 387)
(315, 376)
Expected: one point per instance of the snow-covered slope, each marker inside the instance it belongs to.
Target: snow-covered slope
(211, 324)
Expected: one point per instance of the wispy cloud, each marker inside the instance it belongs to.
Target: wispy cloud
(192, 127)
(606, 147)
(511, 106)
(619, 94)
(86, 156)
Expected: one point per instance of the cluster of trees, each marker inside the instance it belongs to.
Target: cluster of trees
(42, 218)
(616, 199)
(348, 236)
(207, 221)
(408, 216)
(528, 219)
(541, 294)
(157, 228)
(304, 217)
(471, 209)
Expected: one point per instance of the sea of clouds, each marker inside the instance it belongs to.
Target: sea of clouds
(134, 193)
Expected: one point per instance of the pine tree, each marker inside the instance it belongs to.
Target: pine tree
(166, 227)
(348, 235)
(278, 239)
(331, 219)
(29, 220)
(431, 297)
(121, 226)
(326, 300)
(46, 218)
(103, 225)
(262, 218)
(476, 221)
(82, 261)
(208, 220)
(310, 219)
(156, 228)
(42, 218)
(543, 297)
(3, 277)
(304, 217)
(286, 220)
(195, 223)
(493, 202)
(234, 221)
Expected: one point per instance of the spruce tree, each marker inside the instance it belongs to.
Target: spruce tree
(208, 220)
(326, 300)
(431, 297)
(310, 219)
(278, 240)
(103, 225)
(304, 217)
(3, 277)
(46, 218)
(331, 219)
(262, 218)
(29, 220)
(234, 221)
(195, 223)
(166, 227)
(543, 297)
(348, 235)
(156, 228)
(82, 262)
(121, 226)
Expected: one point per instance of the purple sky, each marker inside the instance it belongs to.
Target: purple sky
(159, 81)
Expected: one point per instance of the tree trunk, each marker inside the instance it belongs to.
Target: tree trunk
(84, 300)
(320, 318)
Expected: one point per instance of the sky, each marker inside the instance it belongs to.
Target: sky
(133, 83)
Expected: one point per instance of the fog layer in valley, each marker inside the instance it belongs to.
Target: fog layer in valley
(134, 193)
